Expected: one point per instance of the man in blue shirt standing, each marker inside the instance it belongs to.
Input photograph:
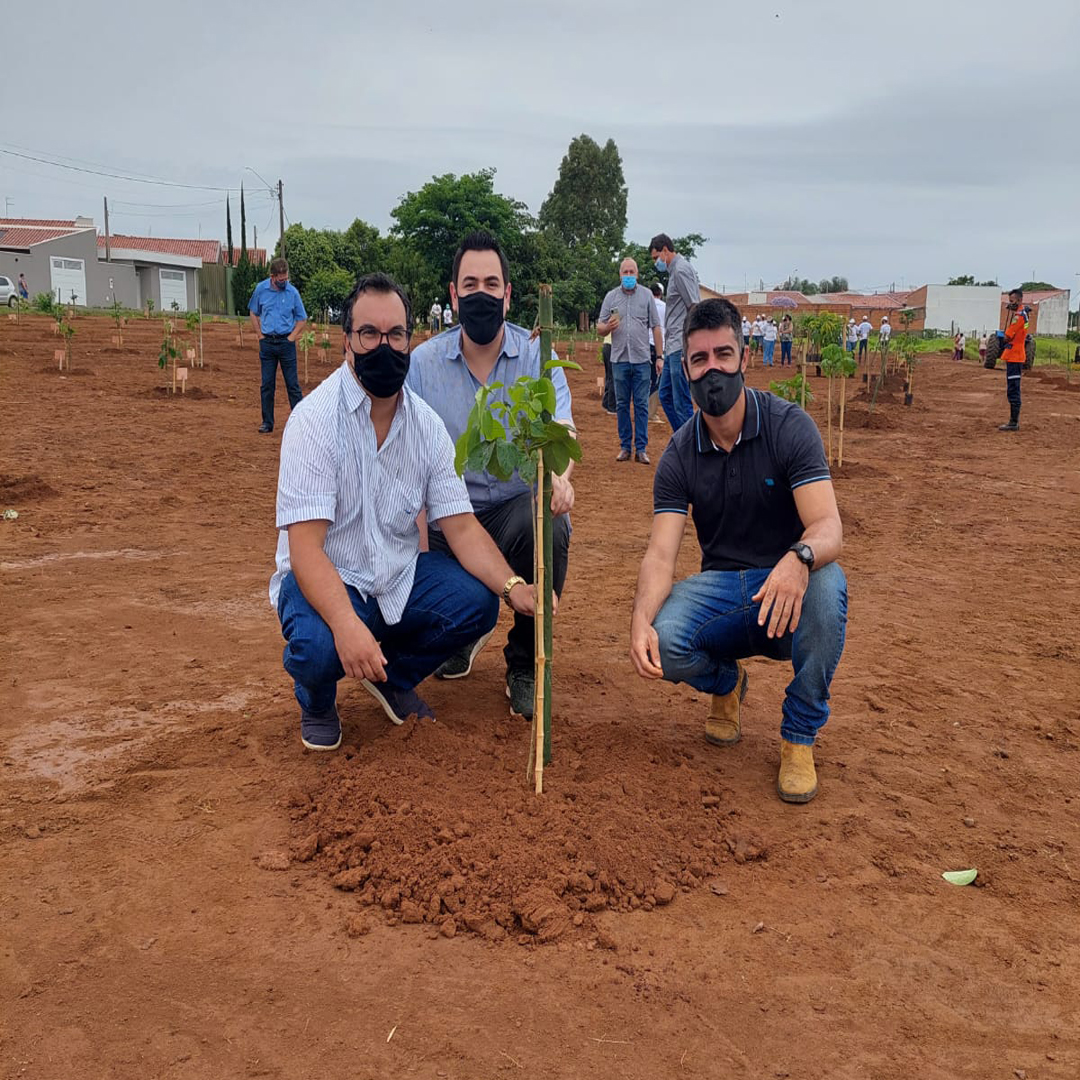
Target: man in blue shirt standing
(446, 372)
(278, 315)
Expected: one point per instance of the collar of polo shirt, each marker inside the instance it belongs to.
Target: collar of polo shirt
(750, 430)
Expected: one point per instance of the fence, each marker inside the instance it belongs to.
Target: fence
(215, 293)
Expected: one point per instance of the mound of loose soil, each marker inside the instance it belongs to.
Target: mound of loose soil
(432, 823)
(29, 488)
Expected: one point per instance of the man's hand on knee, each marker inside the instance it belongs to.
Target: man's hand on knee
(359, 652)
(645, 651)
(782, 594)
(562, 496)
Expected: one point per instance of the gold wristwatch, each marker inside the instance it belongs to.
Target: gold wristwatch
(508, 587)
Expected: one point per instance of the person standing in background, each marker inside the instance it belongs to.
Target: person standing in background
(683, 291)
(278, 316)
(658, 359)
(787, 333)
(770, 341)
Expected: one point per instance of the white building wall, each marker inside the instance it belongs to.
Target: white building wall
(971, 308)
(1053, 320)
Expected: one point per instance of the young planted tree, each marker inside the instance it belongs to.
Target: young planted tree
(907, 346)
(149, 307)
(793, 389)
(306, 341)
(516, 431)
(193, 320)
(67, 332)
(836, 363)
(883, 348)
(169, 353)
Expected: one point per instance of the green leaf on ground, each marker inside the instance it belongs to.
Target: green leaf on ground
(960, 877)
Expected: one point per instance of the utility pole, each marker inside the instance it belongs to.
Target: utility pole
(255, 245)
(108, 249)
(281, 217)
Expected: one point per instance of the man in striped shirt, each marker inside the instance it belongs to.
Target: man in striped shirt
(360, 458)
(753, 470)
(446, 372)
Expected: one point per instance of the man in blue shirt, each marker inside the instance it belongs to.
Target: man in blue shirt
(446, 372)
(278, 315)
(753, 470)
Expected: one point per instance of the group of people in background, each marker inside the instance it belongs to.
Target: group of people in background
(763, 334)
(440, 317)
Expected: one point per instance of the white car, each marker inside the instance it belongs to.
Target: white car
(8, 293)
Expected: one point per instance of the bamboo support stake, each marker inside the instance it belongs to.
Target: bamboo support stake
(805, 349)
(828, 409)
(840, 446)
(538, 622)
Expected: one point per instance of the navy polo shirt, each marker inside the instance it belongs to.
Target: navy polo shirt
(742, 502)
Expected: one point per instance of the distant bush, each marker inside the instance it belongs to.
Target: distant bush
(44, 303)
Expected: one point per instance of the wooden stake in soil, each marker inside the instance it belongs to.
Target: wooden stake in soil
(840, 446)
(58, 355)
(181, 374)
(828, 410)
(538, 622)
(805, 349)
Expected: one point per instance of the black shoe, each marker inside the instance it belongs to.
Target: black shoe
(520, 688)
(399, 705)
(320, 731)
(264, 428)
(1012, 425)
(460, 664)
(642, 457)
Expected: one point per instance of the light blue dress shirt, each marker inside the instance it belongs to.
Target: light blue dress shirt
(279, 310)
(438, 374)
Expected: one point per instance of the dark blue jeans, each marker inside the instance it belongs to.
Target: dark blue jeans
(447, 610)
(675, 391)
(632, 383)
(709, 621)
(271, 353)
(785, 352)
(770, 348)
(1013, 374)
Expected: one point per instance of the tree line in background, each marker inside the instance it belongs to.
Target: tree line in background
(575, 242)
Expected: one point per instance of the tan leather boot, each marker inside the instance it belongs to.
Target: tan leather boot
(798, 777)
(723, 727)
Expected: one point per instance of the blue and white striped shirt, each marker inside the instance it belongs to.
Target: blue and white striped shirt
(332, 471)
(439, 374)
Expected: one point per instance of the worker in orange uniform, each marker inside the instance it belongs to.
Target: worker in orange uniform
(1015, 334)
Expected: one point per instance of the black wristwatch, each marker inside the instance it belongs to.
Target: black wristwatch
(804, 553)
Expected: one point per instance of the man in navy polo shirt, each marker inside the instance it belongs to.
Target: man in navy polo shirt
(278, 315)
(751, 468)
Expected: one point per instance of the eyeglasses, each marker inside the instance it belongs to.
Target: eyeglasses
(371, 338)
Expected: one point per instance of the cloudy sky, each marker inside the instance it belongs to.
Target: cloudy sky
(888, 142)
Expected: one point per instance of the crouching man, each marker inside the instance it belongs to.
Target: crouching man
(360, 457)
(751, 469)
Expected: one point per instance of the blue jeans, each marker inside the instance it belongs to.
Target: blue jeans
(632, 383)
(770, 348)
(272, 353)
(447, 610)
(709, 621)
(785, 352)
(675, 391)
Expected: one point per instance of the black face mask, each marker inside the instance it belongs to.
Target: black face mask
(481, 316)
(382, 371)
(716, 392)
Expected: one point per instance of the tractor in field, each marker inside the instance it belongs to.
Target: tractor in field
(997, 345)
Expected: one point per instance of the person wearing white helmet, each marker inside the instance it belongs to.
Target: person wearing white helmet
(852, 335)
(886, 330)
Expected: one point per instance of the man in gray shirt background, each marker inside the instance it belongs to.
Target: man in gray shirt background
(683, 291)
(629, 315)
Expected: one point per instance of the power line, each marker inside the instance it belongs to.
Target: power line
(114, 175)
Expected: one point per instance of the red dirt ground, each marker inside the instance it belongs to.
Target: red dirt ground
(186, 893)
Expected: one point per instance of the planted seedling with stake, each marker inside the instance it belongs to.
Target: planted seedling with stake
(169, 354)
(306, 341)
(836, 363)
(513, 429)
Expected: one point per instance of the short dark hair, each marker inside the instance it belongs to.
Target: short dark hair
(712, 314)
(1017, 292)
(480, 241)
(378, 283)
(661, 241)
(279, 266)
(657, 289)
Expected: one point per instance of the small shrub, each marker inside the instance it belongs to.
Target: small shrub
(45, 303)
(791, 389)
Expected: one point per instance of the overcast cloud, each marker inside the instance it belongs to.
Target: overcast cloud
(888, 142)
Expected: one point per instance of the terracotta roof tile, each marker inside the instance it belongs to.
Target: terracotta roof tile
(25, 237)
(206, 250)
(44, 223)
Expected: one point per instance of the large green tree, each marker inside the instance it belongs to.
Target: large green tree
(587, 205)
(431, 222)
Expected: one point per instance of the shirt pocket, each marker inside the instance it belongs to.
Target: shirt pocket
(398, 505)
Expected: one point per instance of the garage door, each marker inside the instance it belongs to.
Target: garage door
(68, 276)
(173, 287)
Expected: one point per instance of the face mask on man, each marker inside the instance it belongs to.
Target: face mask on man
(382, 371)
(481, 316)
(661, 266)
(629, 282)
(716, 392)
(281, 283)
